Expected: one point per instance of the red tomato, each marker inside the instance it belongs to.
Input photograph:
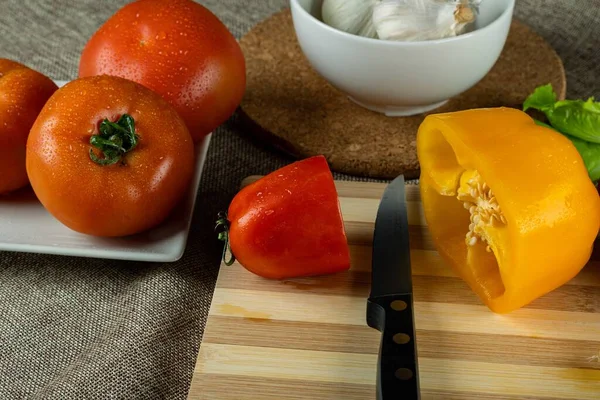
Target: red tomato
(289, 223)
(23, 93)
(177, 48)
(109, 157)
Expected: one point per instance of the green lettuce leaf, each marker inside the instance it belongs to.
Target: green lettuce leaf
(577, 118)
(542, 98)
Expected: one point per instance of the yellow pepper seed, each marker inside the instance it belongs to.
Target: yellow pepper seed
(483, 208)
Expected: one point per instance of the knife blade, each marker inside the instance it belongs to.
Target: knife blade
(390, 303)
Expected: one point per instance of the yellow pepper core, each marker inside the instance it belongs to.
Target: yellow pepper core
(509, 204)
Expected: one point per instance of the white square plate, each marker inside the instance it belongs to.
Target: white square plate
(26, 226)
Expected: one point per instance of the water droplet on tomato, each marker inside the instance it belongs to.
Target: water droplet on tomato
(133, 192)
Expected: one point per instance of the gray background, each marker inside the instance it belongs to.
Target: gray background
(74, 328)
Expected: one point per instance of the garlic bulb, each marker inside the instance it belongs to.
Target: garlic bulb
(413, 20)
(401, 20)
(351, 16)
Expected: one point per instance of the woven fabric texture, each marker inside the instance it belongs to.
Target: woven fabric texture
(77, 328)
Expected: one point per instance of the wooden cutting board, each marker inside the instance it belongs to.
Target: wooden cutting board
(307, 339)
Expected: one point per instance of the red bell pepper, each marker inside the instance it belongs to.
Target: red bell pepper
(288, 223)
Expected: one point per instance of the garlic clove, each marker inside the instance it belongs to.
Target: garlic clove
(416, 20)
(398, 20)
(351, 16)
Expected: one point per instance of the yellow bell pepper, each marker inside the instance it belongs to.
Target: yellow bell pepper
(509, 204)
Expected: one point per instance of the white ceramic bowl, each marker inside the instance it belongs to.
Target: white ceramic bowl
(402, 78)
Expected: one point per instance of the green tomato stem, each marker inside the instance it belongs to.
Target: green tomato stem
(223, 228)
(114, 140)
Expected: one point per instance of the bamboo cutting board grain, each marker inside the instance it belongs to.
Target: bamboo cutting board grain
(307, 339)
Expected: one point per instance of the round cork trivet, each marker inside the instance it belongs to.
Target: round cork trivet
(288, 105)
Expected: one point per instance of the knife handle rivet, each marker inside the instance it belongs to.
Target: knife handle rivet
(398, 305)
(401, 338)
(403, 374)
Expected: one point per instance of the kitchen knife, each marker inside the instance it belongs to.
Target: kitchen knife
(390, 303)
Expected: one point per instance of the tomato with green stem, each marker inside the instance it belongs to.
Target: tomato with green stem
(109, 157)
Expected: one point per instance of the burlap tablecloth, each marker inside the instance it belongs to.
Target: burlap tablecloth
(76, 328)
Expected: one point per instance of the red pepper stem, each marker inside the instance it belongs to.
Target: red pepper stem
(223, 227)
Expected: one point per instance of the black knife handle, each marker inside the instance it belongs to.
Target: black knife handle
(397, 367)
